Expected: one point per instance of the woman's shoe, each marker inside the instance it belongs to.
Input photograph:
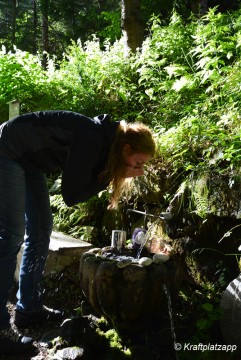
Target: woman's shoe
(22, 320)
(12, 343)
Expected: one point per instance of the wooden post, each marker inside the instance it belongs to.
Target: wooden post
(13, 108)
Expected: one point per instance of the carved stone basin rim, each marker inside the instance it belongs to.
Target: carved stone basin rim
(128, 256)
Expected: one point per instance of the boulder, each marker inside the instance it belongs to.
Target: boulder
(230, 321)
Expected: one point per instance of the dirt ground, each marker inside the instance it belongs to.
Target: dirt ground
(41, 335)
(61, 291)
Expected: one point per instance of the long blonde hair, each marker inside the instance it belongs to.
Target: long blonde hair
(140, 139)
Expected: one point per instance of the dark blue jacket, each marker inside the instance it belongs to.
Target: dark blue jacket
(49, 140)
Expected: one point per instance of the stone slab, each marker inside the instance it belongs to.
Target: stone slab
(64, 250)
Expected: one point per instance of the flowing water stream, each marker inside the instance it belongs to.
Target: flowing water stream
(138, 255)
(169, 303)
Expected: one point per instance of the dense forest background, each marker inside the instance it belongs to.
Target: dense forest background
(50, 25)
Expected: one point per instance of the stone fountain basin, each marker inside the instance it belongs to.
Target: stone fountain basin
(131, 297)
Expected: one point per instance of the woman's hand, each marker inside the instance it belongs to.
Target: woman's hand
(134, 162)
(133, 171)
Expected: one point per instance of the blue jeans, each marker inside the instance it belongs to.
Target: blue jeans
(24, 211)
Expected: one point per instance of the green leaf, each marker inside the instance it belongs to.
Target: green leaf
(208, 307)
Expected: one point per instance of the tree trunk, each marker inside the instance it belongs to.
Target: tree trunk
(199, 7)
(131, 23)
(45, 30)
(14, 2)
(35, 27)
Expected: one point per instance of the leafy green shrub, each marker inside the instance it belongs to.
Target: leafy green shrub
(20, 72)
(108, 73)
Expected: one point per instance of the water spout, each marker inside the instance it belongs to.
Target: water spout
(163, 216)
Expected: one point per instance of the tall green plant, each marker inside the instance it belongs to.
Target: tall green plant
(214, 47)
